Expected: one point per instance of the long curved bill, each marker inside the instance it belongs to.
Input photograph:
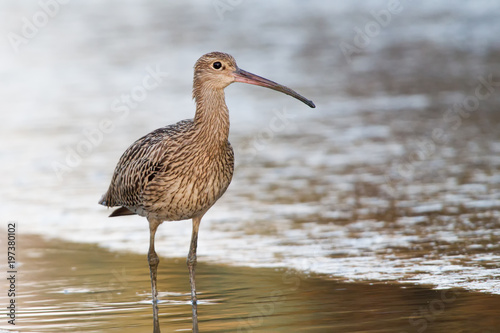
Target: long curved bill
(246, 77)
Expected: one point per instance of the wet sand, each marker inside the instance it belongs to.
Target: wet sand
(71, 287)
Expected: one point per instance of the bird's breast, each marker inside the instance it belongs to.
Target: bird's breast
(191, 186)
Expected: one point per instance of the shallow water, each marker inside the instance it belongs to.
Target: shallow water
(68, 287)
(386, 180)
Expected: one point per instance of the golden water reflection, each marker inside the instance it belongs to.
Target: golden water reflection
(68, 287)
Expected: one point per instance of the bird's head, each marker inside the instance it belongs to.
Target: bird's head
(217, 70)
(214, 70)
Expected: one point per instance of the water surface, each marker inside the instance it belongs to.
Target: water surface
(394, 177)
(70, 287)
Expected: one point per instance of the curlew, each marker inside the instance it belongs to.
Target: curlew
(179, 171)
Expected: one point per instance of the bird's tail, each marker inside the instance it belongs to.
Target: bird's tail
(122, 211)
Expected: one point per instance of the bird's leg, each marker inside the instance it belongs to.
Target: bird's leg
(153, 266)
(191, 263)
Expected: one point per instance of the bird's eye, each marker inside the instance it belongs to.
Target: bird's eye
(217, 65)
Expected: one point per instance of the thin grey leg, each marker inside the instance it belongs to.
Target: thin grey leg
(153, 267)
(191, 263)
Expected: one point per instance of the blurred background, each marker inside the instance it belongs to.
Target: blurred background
(377, 211)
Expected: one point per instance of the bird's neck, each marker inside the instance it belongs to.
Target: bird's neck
(212, 116)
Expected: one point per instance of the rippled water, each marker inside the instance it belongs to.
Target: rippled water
(68, 287)
(394, 177)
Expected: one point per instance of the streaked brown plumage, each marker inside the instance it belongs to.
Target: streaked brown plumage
(179, 171)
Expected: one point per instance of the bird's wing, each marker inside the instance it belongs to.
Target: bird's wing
(141, 162)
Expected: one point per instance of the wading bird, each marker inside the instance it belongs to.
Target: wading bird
(179, 171)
